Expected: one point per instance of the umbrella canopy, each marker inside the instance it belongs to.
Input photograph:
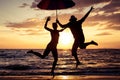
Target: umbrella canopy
(55, 4)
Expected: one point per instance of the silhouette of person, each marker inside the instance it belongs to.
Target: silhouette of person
(76, 29)
(52, 46)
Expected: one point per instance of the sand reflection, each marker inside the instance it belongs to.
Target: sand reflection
(60, 77)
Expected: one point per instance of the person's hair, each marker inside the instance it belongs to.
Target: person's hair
(54, 25)
(73, 18)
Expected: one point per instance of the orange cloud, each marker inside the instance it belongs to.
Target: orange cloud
(33, 22)
(32, 26)
(103, 34)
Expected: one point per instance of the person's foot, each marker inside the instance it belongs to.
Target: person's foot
(52, 73)
(78, 63)
(30, 51)
(95, 43)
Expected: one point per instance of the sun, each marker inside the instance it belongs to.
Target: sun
(65, 38)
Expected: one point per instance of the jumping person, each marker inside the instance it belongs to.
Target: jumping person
(52, 46)
(76, 29)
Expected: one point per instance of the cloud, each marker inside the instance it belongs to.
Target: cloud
(106, 14)
(78, 3)
(31, 32)
(34, 4)
(111, 13)
(29, 23)
(86, 3)
(112, 7)
(113, 27)
(24, 5)
(103, 34)
(30, 26)
(106, 21)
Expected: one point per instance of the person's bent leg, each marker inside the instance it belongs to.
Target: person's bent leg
(46, 52)
(35, 53)
(84, 45)
(94, 43)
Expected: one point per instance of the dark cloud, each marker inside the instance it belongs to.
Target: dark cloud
(37, 0)
(105, 21)
(103, 34)
(110, 15)
(109, 19)
(86, 3)
(113, 27)
(79, 3)
(24, 5)
(34, 4)
(112, 7)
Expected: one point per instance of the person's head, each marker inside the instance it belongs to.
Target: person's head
(54, 26)
(73, 18)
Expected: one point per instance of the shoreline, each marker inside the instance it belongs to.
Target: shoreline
(60, 77)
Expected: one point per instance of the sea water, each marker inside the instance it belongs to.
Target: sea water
(18, 62)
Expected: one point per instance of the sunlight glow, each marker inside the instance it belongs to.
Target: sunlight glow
(65, 38)
(65, 77)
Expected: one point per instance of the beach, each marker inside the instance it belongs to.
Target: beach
(60, 77)
(98, 64)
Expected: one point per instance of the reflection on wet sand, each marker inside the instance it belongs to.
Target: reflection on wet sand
(60, 77)
(87, 77)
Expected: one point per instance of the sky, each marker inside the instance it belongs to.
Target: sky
(22, 24)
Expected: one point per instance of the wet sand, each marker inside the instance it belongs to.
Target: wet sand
(60, 77)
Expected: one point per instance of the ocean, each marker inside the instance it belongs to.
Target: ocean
(17, 62)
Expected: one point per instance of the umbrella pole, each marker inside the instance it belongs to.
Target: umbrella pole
(56, 14)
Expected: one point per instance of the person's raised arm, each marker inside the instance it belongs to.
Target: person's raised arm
(45, 26)
(62, 26)
(86, 15)
(61, 30)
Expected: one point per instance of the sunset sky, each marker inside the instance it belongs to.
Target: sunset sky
(22, 24)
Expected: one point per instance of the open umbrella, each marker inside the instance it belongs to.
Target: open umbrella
(55, 4)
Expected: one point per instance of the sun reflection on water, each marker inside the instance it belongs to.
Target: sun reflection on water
(67, 77)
